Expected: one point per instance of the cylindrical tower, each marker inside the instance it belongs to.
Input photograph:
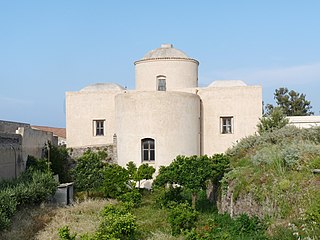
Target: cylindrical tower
(151, 129)
(166, 69)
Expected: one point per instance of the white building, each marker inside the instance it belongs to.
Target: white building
(166, 115)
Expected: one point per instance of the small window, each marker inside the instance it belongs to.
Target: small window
(147, 150)
(98, 127)
(161, 83)
(226, 125)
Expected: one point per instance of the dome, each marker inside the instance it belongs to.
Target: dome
(165, 51)
(97, 87)
(227, 83)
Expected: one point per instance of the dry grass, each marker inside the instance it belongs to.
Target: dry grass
(81, 218)
(28, 221)
(42, 223)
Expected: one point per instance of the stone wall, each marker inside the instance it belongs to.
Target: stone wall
(11, 163)
(77, 152)
(244, 204)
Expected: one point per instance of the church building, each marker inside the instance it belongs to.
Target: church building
(166, 115)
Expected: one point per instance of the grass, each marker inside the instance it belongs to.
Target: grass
(28, 221)
(152, 221)
(81, 218)
(42, 222)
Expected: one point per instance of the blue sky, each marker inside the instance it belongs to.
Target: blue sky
(50, 47)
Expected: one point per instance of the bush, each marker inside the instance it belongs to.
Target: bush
(117, 223)
(165, 197)
(182, 217)
(116, 180)
(64, 234)
(133, 197)
(30, 188)
(222, 226)
(8, 205)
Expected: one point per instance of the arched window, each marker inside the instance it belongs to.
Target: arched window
(161, 83)
(147, 150)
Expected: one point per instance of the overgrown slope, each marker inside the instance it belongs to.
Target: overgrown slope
(272, 177)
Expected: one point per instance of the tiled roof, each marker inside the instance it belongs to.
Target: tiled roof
(60, 132)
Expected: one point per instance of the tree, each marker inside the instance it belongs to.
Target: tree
(193, 172)
(291, 102)
(275, 120)
(116, 180)
(144, 172)
(88, 173)
(59, 162)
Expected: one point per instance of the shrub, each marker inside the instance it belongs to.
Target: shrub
(30, 188)
(165, 197)
(117, 223)
(88, 173)
(115, 181)
(182, 217)
(64, 234)
(133, 196)
(8, 205)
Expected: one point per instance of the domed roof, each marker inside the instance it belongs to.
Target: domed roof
(227, 83)
(97, 87)
(165, 51)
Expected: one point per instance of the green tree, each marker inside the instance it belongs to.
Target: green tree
(193, 172)
(88, 173)
(275, 120)
(59, 162)
(291, 102)
(144, 172)
(116, 180)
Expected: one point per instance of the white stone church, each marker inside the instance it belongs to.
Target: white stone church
(166, 115)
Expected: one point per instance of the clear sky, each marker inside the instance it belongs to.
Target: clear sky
(50, 47)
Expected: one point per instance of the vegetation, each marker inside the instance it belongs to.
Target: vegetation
(182, 217)
(291, 102)
(59, 162)
(88, 173)
(193, 172)
(275, 170)
(32, 187)
(275, 120)
(144, 172)
(272, 170)
(116, 180)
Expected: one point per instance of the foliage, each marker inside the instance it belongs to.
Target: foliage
(36, 164)
(275, 120)
(165, 197)
(88, 173)
(38, 187)
(222, 226)
(64, 234)
(117, 223)
(143, 172)
(30, 188)
(59, 162)
(115, 181)
(291, 102)
(193, 172)
(133, 197)
(274, 170)
(8, 205)
(182, 217)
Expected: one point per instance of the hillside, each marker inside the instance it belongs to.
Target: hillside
(272, 176)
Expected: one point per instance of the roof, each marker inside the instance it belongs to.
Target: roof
(60, 132)
(227, 83)
(97, 87)
(165, 51)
